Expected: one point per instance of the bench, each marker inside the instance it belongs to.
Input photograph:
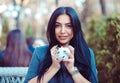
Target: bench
(12, 74)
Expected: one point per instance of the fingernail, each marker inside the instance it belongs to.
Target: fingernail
(56, 58)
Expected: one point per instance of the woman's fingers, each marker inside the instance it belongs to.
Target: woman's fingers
(53, 50)
(71, 49)
(54, 53)
(59, 60)
(67, 60)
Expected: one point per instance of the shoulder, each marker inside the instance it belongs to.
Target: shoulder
(91, 52)
(1, 57)
(92, 57)
(41, 51)
(2, 54)
(94, 77)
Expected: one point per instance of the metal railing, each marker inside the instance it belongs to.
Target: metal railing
(12, 74)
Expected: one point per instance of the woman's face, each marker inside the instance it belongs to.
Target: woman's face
(63, 29)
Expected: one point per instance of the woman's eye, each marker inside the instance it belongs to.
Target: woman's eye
(57, 25)
(69, 26)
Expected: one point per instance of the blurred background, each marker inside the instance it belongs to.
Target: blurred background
(100, 22)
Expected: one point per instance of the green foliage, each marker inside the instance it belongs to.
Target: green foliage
(5, 25)
(5, 29)
(104, 39)
(29, 30)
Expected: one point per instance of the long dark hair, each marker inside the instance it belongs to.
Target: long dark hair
(16, 51)
(82, 53)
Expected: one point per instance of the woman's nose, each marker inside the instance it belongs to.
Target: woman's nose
(63, 29)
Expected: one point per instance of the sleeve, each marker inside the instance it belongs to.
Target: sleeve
(94, 77)
(33, 66)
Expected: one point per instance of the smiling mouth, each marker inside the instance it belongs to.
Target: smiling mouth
(63, 37)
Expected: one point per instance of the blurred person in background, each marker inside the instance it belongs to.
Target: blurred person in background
(63, 31)
(16, 52)
(30, 41)
(38, 43)
(1, 57)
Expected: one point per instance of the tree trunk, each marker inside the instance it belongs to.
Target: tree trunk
(103, 7)
(17, 18)
(57, 3)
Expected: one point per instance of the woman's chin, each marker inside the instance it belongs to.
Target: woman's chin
(63, 44)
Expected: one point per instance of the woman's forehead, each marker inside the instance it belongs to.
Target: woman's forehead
(64, 18)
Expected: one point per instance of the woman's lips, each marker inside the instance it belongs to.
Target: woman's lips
(63, 37)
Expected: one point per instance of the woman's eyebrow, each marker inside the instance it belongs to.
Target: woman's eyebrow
(65, 23)
(58, 23)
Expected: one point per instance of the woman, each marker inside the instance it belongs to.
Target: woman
(64, 30)
(16, 52)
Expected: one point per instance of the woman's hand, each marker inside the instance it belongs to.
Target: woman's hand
(55, 61)
(69, 63)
